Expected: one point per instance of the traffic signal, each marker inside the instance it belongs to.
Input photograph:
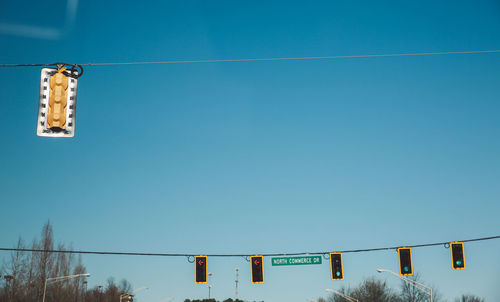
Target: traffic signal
(405, 265)
(257, 268)
(457, 255)
(336, 266)
(200, 269)
(56, 109)
(126, 298)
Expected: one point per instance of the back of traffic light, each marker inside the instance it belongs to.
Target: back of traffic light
(457, 255)
(257, 264)
(200, 269)
(405, 261)
(336, 266)
(57, 103)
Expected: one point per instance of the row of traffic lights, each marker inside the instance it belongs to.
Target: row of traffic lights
(405, 259)
(336, 269)
(200, 269)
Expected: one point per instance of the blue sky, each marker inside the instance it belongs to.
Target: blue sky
(259, 157)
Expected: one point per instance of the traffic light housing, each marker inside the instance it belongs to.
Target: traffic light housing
(405, 261)
(126, 298)
(257, 262)
(200, 269)
(457, 255)
(336, 266)
(56, 109)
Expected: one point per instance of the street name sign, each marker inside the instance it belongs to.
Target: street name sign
(303, 260)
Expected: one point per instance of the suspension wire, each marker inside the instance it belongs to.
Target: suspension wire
(266, 59)
(26, 65)
(240, 255)
(71, 68)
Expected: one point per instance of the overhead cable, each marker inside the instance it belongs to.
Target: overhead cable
(266, 59)
(70, 67)
(241, 255)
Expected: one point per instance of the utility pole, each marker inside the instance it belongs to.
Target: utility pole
(236, 281)
(84, 290)
(209, 283)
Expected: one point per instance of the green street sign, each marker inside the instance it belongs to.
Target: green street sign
(303, 260)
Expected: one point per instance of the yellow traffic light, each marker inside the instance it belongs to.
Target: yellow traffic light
(57, 105)
(56, 118)
(257, 272)
(200, 269)
(336, 266)
(405, 261)
(457, 255)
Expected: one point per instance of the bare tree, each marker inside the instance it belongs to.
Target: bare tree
(44, 261)
(374, 290)
(16, 273)
(336, 298)
(370, 290)
(469, 298)
(78, 286)
(125, 286)
(31, 281)
(24, 275)
(411, 293)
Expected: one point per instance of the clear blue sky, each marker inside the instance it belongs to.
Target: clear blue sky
(259, 157)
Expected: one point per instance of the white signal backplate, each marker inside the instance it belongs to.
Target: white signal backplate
(43, 106)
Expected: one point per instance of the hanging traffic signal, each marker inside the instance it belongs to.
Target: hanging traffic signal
(457, 255)
(56, 109)
(126, 298)
(200, 269)
(336, 266)
(257, 268)
(405, 263)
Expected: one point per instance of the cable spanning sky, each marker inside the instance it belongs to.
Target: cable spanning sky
(258, 157)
